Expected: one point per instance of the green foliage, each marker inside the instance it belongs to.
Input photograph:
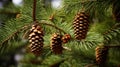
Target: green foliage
(79, 53)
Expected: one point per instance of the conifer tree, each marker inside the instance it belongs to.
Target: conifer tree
(83, 33)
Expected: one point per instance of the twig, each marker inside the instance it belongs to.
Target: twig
(34, 10)
(45, 23)
(112, 46)
(8, 12)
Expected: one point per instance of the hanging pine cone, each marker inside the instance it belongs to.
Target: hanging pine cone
(80, 25)
(56, 43)
(66, 38)
(101, 55)
(36, 39)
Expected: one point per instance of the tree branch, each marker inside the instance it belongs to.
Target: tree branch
(34, 10)
(113, 46)
(8, 12)
(13, 34)
(45, 23)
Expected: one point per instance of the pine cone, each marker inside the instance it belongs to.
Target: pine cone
(101, 55)
(66, 38)
(56, 43)
(80, 25)
(36, 39)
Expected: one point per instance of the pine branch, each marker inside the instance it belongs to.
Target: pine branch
(14, 34)
(110, 34)
(113, 46)
(111, 29)
(95, 8)
(47, 23)
(9, 12)
(25, 27)
(57, 64)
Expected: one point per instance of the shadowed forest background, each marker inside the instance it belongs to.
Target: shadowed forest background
(59, 33)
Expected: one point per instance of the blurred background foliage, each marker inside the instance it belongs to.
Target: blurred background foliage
(15, 20)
